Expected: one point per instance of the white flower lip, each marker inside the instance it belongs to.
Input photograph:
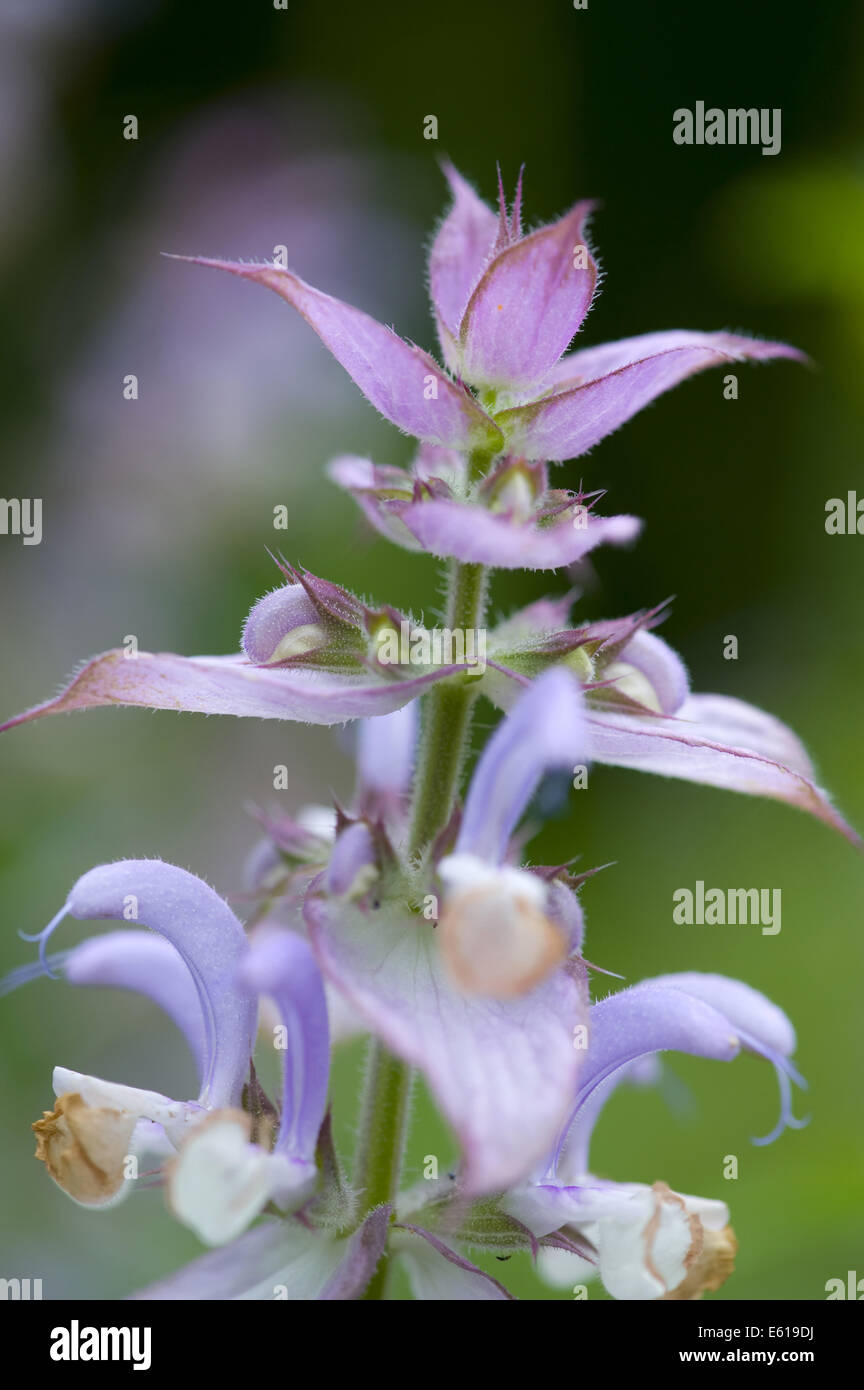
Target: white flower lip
(468, 872)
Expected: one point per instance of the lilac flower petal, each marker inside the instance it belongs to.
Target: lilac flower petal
(528, 304)
(280, 963)
(652, 1018)
(449, 465)
(477, 536)
(546, 729)
(745, 1007)
(210, 940)
(704, 1015)
(721, 742)
(502, 1071)
(230, 685)
(574, 419)
(278, 613)
(276, 1260)
(763, 1028)
(148, 965)
(363, 1252)
(386, 748)
(589, 364)
(399, 379)
(636, 1022)
(352, 863)
(662, 667)
(439, 1274)
(459, 252)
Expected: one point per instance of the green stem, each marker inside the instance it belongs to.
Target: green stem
(447, 716)
(443, 746)
(383, 1129)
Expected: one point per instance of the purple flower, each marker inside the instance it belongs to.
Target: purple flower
(507, 306)
(515, 522)
(201, 971)
(652, 1242)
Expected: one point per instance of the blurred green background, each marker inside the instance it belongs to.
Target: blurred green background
(304, 127)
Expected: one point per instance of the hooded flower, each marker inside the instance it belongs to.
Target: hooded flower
(507, 305)
(200, 970)
(651, 1242)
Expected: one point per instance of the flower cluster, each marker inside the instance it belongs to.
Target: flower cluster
(410, 915)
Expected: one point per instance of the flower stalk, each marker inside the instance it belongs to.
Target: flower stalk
(447, 716)
(443, 747)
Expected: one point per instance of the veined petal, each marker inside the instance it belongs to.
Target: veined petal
(210, 940)
(589, 364)
(528, 304)
(545, 729)
(281, 965)
(476, 535)
(438, 1274)
(459, 252)
(573, 419)
(148, 965)
(722, 742)
(281, 1260)
(399, 379)
(231, 685)
(501, 1070)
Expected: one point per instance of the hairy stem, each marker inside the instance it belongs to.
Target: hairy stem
(447, 716)
(443, 747)
(383, 1129)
